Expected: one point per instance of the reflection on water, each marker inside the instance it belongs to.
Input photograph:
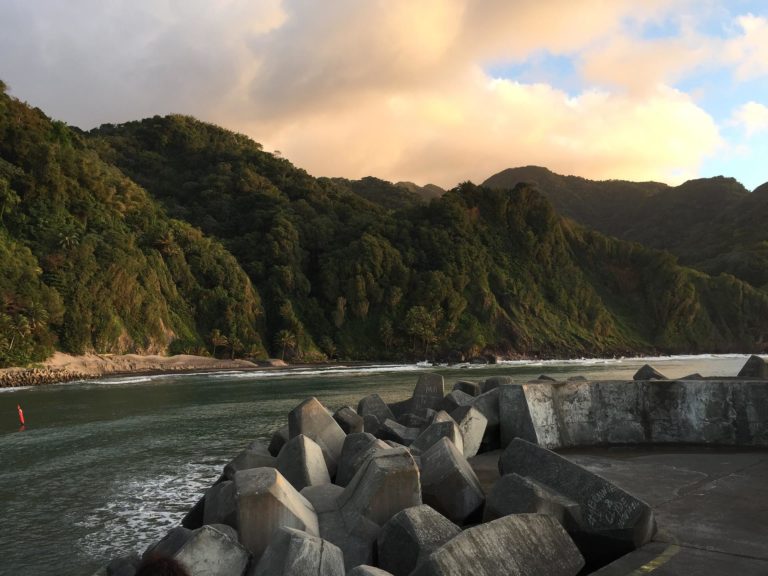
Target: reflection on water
(108, 466)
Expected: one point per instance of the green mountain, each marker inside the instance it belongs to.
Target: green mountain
(90, 262)
(170, 234)
(476, 270)
(711, 224)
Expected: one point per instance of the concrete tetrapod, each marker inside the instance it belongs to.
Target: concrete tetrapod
(439, 429)
(612, 522)
(301, 462)
(472, 425)
(221, 504)
(410, 536)
(349, 420)
(428, 394)
(514, 494)
(373, 404)
(449, 484)
(313, 420)
(357, 541)
(266, 501)
(211, 552)
(365, 570)
(358, 447)
(517, 545)
(514, 415)
(296, 553)
(488, 405)
(256, 455)
(387, 483)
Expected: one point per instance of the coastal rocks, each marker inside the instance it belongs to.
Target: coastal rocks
(221, 504)
(755, 367)
(301, 462)
(365, 570)
(17, 378)
(410, 536)
(256, 455)
(471, 388)
(267, 501)
(514, 415)
(349, 420)
(387, 483)
(518, 545)
(515, 494)
(442, 427)
(212, 552)
(648, 372)
(609, 517)
(279, 438)
(373, 404)
(296, 553)
(472, 425)
(449, 484)
(357, 448)
(488, 405)
(313, 420)
(428, 394)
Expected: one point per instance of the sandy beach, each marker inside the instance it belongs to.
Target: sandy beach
(65, 367)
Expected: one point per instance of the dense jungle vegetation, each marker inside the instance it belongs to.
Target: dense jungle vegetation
(173, 235)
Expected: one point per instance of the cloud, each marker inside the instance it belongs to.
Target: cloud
(393, 88)
(748, 52)
(752, 117)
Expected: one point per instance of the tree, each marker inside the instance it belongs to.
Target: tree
(422, 324)
(285, 339)
(217, 339)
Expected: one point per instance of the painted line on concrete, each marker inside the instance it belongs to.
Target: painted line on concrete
(657, 562)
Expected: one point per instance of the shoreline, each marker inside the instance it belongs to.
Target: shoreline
(66, 368)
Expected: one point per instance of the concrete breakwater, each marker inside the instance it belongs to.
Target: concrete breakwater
(391, 489)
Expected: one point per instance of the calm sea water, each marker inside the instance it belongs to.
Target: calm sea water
(108, 466)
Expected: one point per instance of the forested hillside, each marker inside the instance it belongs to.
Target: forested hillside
(90, 262)
(712, 224)
(476, 270)
(172, 235)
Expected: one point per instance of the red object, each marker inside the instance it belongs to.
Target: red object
(21, 414)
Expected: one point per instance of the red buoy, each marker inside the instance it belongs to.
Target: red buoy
(21, 414)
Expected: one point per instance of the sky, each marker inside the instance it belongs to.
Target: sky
(429, 91)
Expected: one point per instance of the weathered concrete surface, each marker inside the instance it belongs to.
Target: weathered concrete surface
(428, 394)
(514, 415)
(410, 536)
(301, 462)
(365, 570)
(267, 501)
(356, 539)
(648, 372)
(488, 405)
(312, 419)
(296, 553)
(387, 483)
(211, 552)
(608, 513)
(456, 398)
(256, 455)
(515, 494)
(518, 545)
(221, 504)
(358, 447)
(445, 427)
(349, 420)
(722, 412)
(278, 440)
(393, 430)
(755, 367)
(471, 388)
(373, 404)
(711, 505)
(472, 425)
(449, 484)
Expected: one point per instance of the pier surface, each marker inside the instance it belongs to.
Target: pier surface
(711, 505)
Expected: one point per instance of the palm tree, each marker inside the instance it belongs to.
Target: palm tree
(285, 339)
